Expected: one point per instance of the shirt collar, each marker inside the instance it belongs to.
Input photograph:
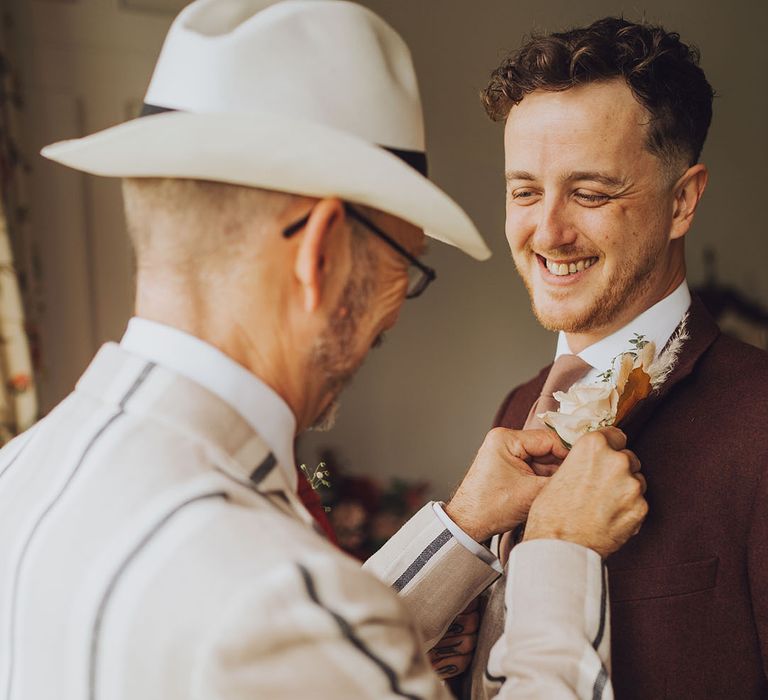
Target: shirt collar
(657, 324)
(190, 357)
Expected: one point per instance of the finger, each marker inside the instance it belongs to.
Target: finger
(634, 462)
(452, 666)
(544, 468)
(525, 444)
(540, 443)
(643, 482)
(615, 437)
(548, 459)
(463, 624)
(453, 646)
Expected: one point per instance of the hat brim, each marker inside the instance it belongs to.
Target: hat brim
(272, 152)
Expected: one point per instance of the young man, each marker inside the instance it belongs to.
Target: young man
(152, 540)
(603, 129)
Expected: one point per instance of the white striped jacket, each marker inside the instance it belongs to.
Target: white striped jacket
(150, 549)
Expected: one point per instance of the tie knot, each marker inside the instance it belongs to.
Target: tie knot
(566, 371)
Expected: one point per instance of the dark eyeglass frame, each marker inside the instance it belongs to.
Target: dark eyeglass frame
(427, 273)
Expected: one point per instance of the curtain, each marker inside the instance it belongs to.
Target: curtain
(18, 399)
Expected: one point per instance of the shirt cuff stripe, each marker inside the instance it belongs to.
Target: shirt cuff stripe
(418, 564)
(482, 553)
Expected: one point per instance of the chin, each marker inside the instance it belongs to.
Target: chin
(552, 322)
(564, 315)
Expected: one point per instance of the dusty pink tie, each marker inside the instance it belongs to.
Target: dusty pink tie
(566, 371)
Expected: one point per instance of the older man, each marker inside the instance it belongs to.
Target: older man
(604, 127)
(152, 540)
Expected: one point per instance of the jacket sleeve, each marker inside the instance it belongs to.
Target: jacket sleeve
(757, 564)
(433, 573)
(323, 628)
(556, 641)
(318, 628)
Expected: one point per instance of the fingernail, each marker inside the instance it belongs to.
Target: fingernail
(455, 628)
(445, 670)
(446, 650)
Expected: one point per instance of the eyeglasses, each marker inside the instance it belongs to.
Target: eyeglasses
(419, 275)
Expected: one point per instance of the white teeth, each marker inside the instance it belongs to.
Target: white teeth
(563, 269)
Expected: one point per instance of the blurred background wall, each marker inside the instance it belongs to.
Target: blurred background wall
(422, 404)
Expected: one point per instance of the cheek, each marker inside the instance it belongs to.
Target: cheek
(388, 297)
(605, 230)
(517, 228)
(626, 231)
(393, 281)
(391, 299)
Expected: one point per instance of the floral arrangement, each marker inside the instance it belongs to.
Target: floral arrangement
(632, 377)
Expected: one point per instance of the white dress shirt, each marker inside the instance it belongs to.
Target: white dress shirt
(204, 364)
(657, 324)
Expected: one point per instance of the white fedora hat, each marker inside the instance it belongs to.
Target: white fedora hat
(314, 97)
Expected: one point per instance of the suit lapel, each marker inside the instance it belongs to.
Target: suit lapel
(702, 332)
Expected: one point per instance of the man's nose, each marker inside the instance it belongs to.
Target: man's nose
(554, 228)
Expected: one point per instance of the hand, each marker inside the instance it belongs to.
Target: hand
(595, 498)
(452, 655)
(500, 486)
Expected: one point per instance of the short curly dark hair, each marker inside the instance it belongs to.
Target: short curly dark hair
(662, 72)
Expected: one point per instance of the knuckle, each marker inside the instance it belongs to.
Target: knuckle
(496, 436)
(619, 463)
(595, 440)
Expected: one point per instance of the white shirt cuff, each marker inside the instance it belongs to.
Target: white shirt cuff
(482, 553)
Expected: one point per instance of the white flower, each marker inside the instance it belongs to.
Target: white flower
(585, 407)
(588, 399)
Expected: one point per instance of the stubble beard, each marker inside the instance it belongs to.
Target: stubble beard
(631, 279)
(331, 352)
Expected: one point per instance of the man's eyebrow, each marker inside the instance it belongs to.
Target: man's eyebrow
(595, 176)
(518, 175)
(576, 175)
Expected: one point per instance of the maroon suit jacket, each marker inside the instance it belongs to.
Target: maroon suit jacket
(689, 593)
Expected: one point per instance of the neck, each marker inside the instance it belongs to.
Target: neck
(252, 335)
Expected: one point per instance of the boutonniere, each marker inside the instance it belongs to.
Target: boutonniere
(632, 377)
(318, 477)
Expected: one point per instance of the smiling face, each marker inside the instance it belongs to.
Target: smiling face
(589, 210)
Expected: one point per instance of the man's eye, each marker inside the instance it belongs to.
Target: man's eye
(523, 196)
(592, 198)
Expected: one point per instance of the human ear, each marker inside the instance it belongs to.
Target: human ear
(311, 266)
(687, 194)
